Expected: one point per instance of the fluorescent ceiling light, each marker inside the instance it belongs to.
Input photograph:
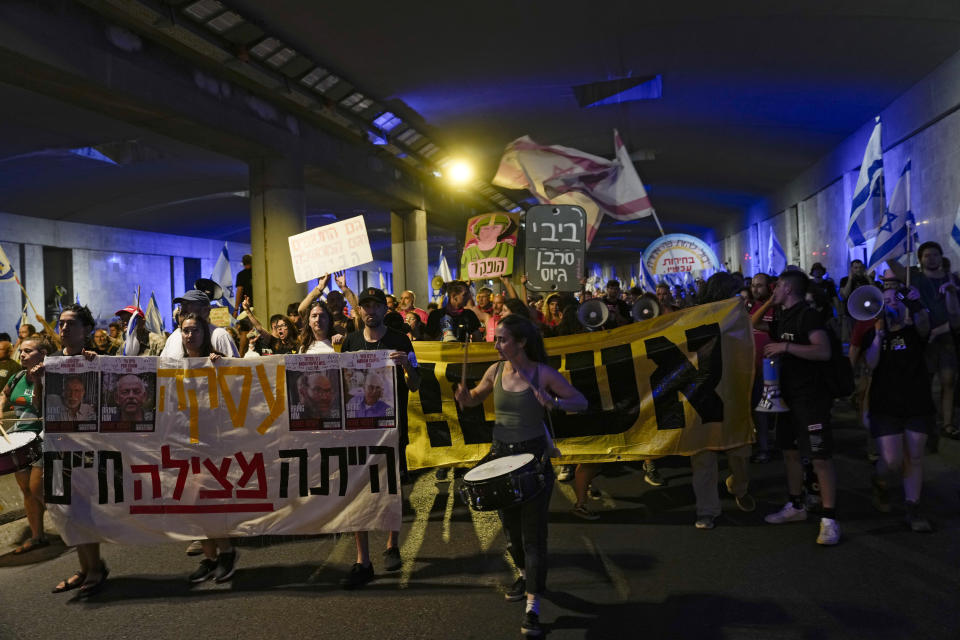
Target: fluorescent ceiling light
(326, 84)
(362, 106)
(266, 47)
(225, 21)
(352, 99)
(281, 57)
(204, 9)
(311, 78)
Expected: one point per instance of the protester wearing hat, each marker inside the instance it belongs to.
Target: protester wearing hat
(373, 336)
(196, 301)
(151, 344)
(619, 311)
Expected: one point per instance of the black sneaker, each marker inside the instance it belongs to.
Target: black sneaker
(204, 572)
(391, 559)
(531, 624)
(359, 575)
(651, 475)
(881, 496)
(916, 522)
(517, 591)
(226, 561)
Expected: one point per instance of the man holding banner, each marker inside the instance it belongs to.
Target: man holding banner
(376, 336)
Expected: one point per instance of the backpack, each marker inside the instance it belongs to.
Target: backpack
(838, 374)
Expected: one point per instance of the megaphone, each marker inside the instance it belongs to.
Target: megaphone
(213, 290)
(645, 309)
(437, 283)
(593, 313)
(770, 401)
(865, 303)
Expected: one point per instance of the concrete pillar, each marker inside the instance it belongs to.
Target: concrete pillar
(408, 232)
(277, 211)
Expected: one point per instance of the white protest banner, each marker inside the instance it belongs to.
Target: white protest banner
(223, 460)
(330, 248)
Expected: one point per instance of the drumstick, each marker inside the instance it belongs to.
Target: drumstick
(4, 432)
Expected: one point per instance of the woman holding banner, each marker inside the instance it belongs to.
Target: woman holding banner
(523, 386)
(219, 566)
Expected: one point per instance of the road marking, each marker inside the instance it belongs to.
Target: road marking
(614, 573)
(422, 498)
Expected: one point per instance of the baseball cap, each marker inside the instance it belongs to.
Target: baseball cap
(132, 310)
(193, 295)
(372, 293)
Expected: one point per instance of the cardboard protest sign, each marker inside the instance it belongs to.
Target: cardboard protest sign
(330, 248)
(488, 249)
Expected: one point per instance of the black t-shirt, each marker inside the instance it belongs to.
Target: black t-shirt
(620, 306)
(245, 280)
(798, 376)
(455, 324)
(392, 340)
(823, 294)
(900, 386)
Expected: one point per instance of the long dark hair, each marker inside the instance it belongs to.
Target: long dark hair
(524, 330)
(207, 347)
(307, 338)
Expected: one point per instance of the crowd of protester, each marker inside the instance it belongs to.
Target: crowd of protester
(795, 317)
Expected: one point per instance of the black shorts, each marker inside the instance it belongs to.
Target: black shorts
(886, 425)
(806, 428)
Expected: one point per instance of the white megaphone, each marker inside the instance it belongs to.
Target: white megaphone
(593, 313)
(770, 400)
(645, 309)
(865, 303)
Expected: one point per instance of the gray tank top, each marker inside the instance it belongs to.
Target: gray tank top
(519, 415)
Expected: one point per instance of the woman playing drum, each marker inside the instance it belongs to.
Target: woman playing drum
(21, 400)
(523, 386)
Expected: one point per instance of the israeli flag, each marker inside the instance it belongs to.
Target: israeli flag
(776, 257)
(154, 320)
(443, 270)
(867, 206)
(382, 281)
(223, 276)
(955, 232)
(6, 267)
(131, 345)
(897, 233)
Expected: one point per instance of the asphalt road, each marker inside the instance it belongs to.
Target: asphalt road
(642, 570)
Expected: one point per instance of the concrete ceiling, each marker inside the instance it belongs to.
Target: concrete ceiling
(753, 93)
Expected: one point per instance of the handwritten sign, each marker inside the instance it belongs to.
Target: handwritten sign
(556, 244)
(330, 248)
(220, 316)
(679, 253)
(488, 249)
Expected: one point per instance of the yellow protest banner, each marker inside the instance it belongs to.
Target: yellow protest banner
(674, 385)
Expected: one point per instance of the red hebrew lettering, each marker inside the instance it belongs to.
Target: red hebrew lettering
(154, 472)
(169, 463)
(220, 475)
(249, 468)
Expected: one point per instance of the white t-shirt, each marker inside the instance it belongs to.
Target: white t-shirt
(221, 340)
(320, 346)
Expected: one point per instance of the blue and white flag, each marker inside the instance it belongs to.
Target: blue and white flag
(223, 276)
(131, 345)
(443, 270)
(955, 231)
(776, 257)
(154, 321)
(23, 318)
(867, 206)
(897, 233)
(382, 281)
(6, 267)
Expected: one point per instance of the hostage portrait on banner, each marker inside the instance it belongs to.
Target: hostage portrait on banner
(71, 394)
(128, 392)
(313, 392)
(489, 245)
(369, 390)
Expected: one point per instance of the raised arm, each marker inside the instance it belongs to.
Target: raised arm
(756, 319)
(508, 285)
(313, 294)
(341, 279)
(253, 319)
(472, 397)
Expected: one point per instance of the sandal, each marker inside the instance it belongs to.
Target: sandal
(70, 583)
(951, 432)
(88, 589)
(30, 545)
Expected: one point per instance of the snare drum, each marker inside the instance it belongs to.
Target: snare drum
(24, 448)
(503, 482)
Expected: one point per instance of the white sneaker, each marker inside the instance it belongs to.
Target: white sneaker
(789, 513)
(566, 473)
(829, 532)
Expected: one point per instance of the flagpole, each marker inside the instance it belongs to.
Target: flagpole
(46, 325)
(909, 249)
